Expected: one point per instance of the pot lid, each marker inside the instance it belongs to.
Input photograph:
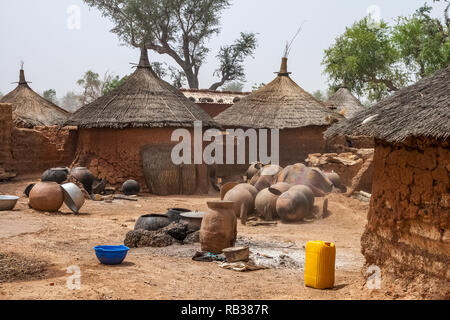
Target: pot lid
(193, 215)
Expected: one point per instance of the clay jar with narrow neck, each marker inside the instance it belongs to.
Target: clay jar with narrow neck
(219, 227)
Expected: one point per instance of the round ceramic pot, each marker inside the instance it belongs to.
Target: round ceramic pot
(307, 192)
(85, 176)
(243, 201)
(46, 196)
(174, 213)
(292, 206)
(58, 175)
(28, 189)
(219, 227)
(266, 204)
(131, 188)
(152, 222)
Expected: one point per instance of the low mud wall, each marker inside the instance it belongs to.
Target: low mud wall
(408, 233)
(25, 151)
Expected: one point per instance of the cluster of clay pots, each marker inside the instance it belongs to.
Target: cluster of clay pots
(281, 193)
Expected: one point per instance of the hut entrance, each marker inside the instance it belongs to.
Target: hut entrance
(162, 176)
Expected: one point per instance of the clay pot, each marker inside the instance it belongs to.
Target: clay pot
(292, 206)
(58, 175)
(27, 190)
(249, 188)
(281, 187)
(336, 180)
(85, 176)
(46, 196)
(268, 176)
(131, 188)
(253, 169)
(152, 222)
(307, 192)
(219, 227)
(314, 178)
(243, 201)
(266, 204)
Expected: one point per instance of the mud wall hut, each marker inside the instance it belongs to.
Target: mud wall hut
(282, 104)
(408, 234)
(33, 137)
(126, 134)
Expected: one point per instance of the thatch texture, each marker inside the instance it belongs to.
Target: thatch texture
(420, 110)
(344, 102)
(281, 104)
(143, 100)
(30, 109)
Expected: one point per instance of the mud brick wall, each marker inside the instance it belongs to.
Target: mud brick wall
(5, 136)
(35, 150)
(408, 234)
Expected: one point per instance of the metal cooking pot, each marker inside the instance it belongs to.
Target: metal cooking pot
(152, 222)
(73, 197)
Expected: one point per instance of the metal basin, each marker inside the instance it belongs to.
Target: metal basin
(73, 197)
(193, 220)
(8, 203)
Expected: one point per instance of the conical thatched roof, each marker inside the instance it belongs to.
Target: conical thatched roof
(281, 104)
(344, 102)
(30, 109)
(143, 100)
(421, 110)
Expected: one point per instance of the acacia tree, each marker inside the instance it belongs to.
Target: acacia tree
(50, 95)
(375, 60)
(179, 29)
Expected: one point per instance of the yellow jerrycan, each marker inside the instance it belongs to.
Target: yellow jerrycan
(320, 263)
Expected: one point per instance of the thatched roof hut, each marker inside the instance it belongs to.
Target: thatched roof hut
(127, 133)
(30, 109)
(143, 101)
(408, 228)
(281, 104)
(344, 102)
(421, 110)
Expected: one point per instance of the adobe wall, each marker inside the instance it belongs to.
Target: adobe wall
(5, 136)
(35, 150)
(295, 146)
(115, 154)
(408, 234)
(214, 109)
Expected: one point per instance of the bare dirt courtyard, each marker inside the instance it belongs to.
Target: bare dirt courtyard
(44, 245)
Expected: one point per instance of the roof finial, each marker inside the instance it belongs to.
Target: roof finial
(22, 74)
(144, 62)
(283, 68)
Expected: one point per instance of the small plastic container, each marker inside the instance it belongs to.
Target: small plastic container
(320, 263)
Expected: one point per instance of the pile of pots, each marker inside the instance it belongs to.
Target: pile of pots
(287, 193)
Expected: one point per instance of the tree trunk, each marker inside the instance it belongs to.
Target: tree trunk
(191, 78)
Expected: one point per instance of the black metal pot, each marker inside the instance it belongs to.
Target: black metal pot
(174, 213)
(58, 175)
(152, 222)
(85, 176)
(28, 189)
(131, 188)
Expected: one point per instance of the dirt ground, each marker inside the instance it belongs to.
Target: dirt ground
(64, 239)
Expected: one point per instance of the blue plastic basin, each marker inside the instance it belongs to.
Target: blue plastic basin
(111, 255)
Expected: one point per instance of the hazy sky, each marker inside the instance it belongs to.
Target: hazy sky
(56, 57)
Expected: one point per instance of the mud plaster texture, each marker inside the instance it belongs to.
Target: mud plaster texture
(115, 154)
(25, 151)
(408, 233)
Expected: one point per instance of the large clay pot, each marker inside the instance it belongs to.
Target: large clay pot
(336, 180)
(243, 201)
(281, 187)
(58, 175)
(268, 176)
(85, 176)
(131, 187)
(311, 177)
(253, 169)
(249, 188)
(219, 227)
(292, 206)
(152, 222)
(266, 204)
(307, 192)
(46, 196)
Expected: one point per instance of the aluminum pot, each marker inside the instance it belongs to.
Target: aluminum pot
(152, 222)
(73, 197)
(46, 196)
(8, 203)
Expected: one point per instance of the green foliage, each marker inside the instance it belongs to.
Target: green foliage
(71, 101)
(233, 86)
(113, 83)
(178, 28)
(92, 87)
(50, 95)
(319, 95)
(375, 61)
(256, 86)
